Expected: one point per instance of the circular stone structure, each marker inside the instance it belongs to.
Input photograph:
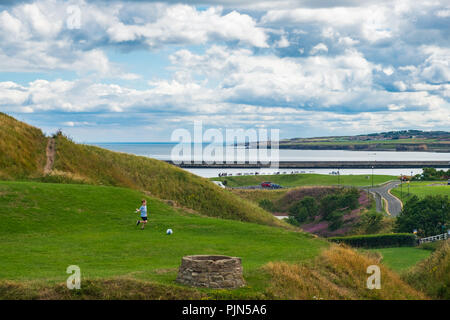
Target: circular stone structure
(219, 272)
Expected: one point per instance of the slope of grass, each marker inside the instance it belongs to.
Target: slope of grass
(338, 273)
(256, 195)
(23, 157)
(421, 189)
(46, 227)
(162, 180)
(305, 179)
(402, 258)
(433, 274)
(22, 149)
(122, 288)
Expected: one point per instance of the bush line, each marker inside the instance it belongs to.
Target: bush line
(378, 240)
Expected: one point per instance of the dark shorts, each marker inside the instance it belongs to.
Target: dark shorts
(144, 218)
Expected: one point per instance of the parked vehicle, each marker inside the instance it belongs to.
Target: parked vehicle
(270, 185)
(219, 183)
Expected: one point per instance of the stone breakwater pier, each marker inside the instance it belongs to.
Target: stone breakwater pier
(319, 164)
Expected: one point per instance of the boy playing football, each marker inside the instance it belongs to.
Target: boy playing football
(143, 210)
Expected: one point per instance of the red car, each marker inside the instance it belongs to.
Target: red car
(266, 184)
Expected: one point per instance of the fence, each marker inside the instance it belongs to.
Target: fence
(443, 236)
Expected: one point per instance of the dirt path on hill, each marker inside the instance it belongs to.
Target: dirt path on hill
(50, 151)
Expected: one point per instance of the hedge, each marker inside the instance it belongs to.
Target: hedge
(378, 240)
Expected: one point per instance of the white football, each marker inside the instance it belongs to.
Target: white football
(169, 231)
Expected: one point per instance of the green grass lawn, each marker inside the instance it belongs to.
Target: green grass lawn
(402, 258)
(46, 227)
(294, 180)
(421, 189)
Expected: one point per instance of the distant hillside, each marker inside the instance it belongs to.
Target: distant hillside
(407, 140)
(23, 156)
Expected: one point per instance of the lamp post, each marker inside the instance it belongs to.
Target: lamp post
(401, 187)
(372, 176)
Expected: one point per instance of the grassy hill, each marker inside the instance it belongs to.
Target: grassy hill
(402, 258)
(22, 149)
(421, 189)
(46, 227)
(432, 275)
(338, 273)
(23, 156)
(87, 219)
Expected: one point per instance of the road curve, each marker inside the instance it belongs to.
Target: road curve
(394, 205)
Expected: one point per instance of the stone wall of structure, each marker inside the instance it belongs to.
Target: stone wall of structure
(211, 272)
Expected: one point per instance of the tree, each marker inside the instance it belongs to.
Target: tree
(304, 209)
(347, 199)
(371, 222)
(433, 174)
(328, 204)
(350, 199)
(429, 216)
(266, 204)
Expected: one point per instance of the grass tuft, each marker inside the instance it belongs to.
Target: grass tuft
(338, 273)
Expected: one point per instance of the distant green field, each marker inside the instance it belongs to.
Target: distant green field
(294, 180)
(399, 259)
(46, 227)
(421, 189)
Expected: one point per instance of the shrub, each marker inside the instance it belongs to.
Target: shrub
(336, 220)
(328, 204)
(371, 222)
(304, 209)
(266, 204)
(431, 246)
(429, 216)
(293, 221)
(347, 199)
(350, 199)
(378, 240)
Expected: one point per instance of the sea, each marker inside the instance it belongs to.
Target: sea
(163, 151)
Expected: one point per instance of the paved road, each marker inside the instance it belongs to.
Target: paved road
(381, 193)
(394, 205)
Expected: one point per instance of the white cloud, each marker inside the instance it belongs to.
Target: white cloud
(183, 24)
(282, 43)
(444, 13)
(436, 68)
(388, 70)
(321, 47)
(360, 20)
(37, 37)
(225, 68)
(400, 85)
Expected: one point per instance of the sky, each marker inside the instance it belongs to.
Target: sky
(138, 70)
